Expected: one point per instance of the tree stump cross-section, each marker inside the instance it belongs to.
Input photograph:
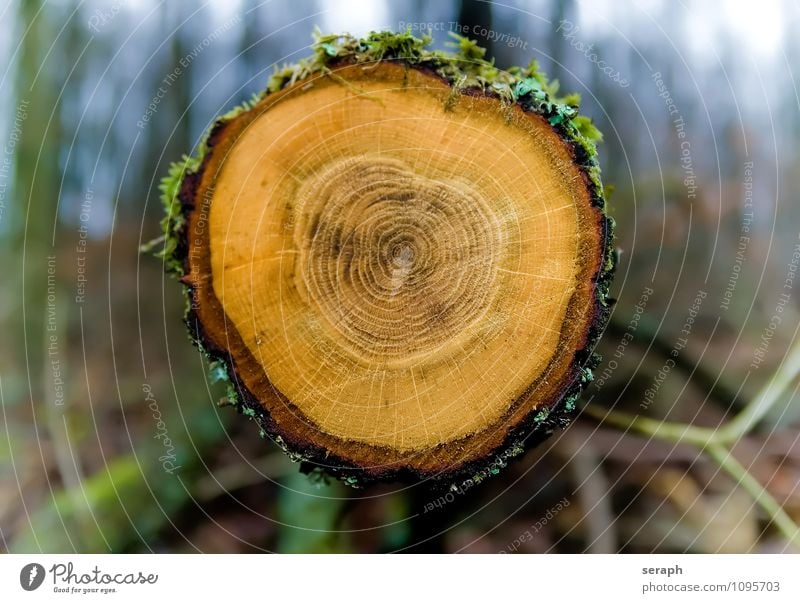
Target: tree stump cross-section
(400, 277)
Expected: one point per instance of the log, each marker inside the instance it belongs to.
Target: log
(398, 258)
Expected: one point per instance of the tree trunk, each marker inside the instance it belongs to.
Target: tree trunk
(399, 259)
(475, 16)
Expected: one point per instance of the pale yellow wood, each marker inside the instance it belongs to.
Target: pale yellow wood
(401, 272)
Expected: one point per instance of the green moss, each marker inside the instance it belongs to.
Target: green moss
(173, 220)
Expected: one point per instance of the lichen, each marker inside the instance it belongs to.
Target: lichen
(217, 371)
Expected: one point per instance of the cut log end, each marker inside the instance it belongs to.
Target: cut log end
(402, 279)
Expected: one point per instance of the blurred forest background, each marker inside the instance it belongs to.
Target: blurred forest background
(111, 438)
